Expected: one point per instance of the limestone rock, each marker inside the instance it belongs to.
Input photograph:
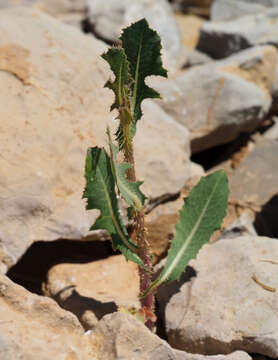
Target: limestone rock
(109, 18)
(195, 58)
(242, 226)
(224, 10)
(198, 7)
(254, 185)
(231, 304)
(221, 39)
(68, 11)
(272, 133)
(34, 327)
(274, 92)
(123, 337)
(53, 108)
(189, 26)
(94, 289)
(229, 96)
(237, 355)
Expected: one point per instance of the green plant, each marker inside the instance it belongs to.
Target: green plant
(203, 210)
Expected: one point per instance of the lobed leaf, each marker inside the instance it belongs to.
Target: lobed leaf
(201, 215)
(142, 47)
(129, 191)
(119, 64)
(100, 194)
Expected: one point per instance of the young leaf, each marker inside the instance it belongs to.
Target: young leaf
(128, 190)
(118, 62)
(142, 47)
(201, 215)
(100, 194)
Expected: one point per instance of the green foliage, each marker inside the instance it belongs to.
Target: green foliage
(129, 191)
(100, 194)
(201, 215)
(203, 210)
(138, 58)
(142, 47)
(119, 64)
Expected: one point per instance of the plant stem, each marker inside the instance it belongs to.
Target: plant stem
(147, 302)
(145, 279)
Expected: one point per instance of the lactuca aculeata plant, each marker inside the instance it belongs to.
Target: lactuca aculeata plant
(106, 178)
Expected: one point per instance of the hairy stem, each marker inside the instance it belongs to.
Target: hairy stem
(145, 280)
(141, 239)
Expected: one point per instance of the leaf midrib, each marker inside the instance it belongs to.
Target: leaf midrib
(115, 223)
(187, 242)
(137, 75)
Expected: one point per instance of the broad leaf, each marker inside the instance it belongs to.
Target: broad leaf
(129, 191)
(117, 60)
(100, 194)
(142, 47)
(201, 215)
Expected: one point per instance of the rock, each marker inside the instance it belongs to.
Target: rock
(189, 26)
(274, 92)
(198, 7)
(237, 355)
(230, 97)
(221, 39)
(195, 57)
(231, 304)
(55, 107)
(241, 227)
(34, 327)
(272, 133)
(122, 337)
(94, 289)
(164, 167)
(225, 10)
(249, 189)
(109, 18)
(68, 11)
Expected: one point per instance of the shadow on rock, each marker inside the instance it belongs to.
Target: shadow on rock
(31, 270)
(266, 223)
(69, 299)
(164, 295)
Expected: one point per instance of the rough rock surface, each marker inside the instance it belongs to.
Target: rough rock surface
(34, 327)
(94, 289)
(189, 27)
(221, 39)
(274, 92)
(272, 133)
(254, 185)
(119, 336)
(195, 57)
(110, 17)
(237, 355)
(53, 108)
(223, 10)
(231, 304)
(69, 11)
(201, 7)
(231, 96)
